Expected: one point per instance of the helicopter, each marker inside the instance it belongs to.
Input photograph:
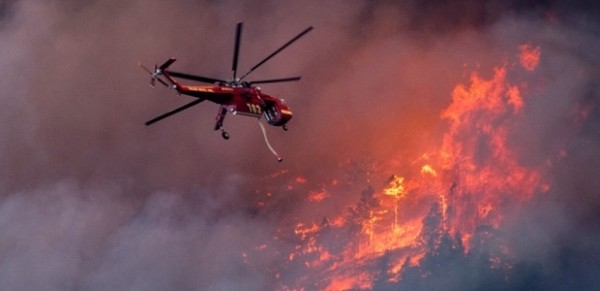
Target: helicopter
(236, 96)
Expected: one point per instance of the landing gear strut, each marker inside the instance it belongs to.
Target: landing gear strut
(285, 127)
(219, 124)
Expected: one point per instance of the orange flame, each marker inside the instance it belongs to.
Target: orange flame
(396, 186)
(474, 177)
(529, 56)
(317, 196)
(429, 170)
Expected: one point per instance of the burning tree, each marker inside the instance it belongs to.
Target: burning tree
(440, 224)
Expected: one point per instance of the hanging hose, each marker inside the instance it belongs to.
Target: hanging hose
(262, 127)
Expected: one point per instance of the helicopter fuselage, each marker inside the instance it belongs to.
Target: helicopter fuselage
(246, 101)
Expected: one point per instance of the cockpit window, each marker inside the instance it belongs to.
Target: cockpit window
(272, 114)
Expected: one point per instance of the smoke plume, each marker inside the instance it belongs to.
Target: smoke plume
(92, 199)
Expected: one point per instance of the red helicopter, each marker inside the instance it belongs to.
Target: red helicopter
(235, 95)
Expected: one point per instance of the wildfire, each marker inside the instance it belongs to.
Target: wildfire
(396, 186)
(471, 179)
(428, 170)
(529, 56)
(317, 196)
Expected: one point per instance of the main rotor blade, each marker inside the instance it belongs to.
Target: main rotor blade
(161, 81)
(275, 80)
(167, 64)
(278, 50)
(177, 110)
(194, 77)
(236, 52)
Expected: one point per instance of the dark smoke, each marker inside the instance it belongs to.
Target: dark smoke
(93, 199)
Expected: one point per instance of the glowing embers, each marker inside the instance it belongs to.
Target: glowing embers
(529, 56)
(317, 196)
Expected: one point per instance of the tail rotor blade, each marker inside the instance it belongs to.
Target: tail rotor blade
(144, 68)
(161, 81)
(177, 110)
(154, 75)
(278, 50)
(236, 52)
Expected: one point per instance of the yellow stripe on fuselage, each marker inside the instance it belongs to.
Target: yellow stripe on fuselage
(201, 89)
(206, 89)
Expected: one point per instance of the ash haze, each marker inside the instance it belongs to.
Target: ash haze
(92, 199)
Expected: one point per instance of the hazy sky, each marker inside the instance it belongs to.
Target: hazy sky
(91, 198)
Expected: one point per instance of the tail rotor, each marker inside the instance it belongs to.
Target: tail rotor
(158, 71)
